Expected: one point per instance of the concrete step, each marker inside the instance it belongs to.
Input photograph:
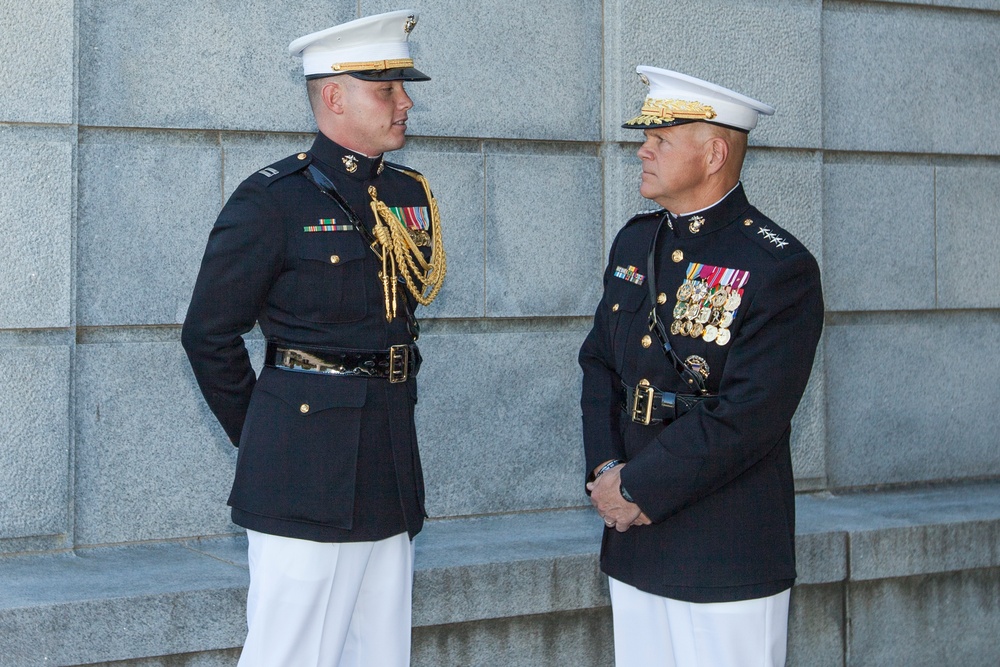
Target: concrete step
(514, 589)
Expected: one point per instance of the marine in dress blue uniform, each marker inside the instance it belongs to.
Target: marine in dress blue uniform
(330, 250)
(687, 438)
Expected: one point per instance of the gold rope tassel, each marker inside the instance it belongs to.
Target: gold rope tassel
(401, 255)
(388, 272)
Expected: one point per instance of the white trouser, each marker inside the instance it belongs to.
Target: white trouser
(652, 630)
(317, 604)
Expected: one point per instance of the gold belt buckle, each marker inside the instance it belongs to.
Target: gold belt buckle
(399, 363)
(642, 405)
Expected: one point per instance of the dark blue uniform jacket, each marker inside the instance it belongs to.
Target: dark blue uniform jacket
(717, 482)
(346, 468)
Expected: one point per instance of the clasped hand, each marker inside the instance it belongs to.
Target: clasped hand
(618, 513)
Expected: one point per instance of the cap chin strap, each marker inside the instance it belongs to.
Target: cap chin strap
(372, 66)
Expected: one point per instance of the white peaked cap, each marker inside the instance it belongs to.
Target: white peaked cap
(676, 98)
(373, 47)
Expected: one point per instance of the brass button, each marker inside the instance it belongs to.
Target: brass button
(747, 222)
(643, 382)
(647, 341)
(677, 256)
(614, 308)
(335, 259)
(661, 298)
(302, 156)
(304, 408)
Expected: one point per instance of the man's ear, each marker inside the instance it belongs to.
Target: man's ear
(718, 154)
(332, 95)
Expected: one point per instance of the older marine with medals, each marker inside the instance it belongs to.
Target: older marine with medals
(691, 375)
(330, 250)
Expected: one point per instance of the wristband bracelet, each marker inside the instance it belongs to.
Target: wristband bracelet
(607, 466)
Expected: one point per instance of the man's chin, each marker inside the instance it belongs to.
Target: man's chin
(397, 139)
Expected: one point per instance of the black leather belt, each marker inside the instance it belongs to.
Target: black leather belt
(397, 364)
(646, 404)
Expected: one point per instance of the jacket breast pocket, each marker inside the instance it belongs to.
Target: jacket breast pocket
(299, 451)
(625, 301)
(330, 284)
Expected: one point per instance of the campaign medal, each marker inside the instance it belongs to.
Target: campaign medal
(733, 302)
(707, 302)
(684, 291)
(719, 298)
(417, 221)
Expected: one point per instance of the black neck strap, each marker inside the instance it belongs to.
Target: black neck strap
(691, 377)
(326, 186)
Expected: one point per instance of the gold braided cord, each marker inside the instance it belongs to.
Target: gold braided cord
(402, 256)
(373, 65)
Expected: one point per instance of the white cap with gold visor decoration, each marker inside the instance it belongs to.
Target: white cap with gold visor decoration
(375, 48)
(676, 98)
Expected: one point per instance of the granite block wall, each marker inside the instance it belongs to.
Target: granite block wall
(195, 65)
(37, 49)
(892, 72)
(124, 130)
(141, 230)
(512, 70)
(36, 212)
(35, 431)
(489, 414)
(908, 408)
(926, 620)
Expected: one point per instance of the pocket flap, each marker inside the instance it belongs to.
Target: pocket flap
(335, 251)
(628, 296)
(310, 393)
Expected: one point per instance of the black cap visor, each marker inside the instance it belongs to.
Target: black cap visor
(679, 121)
(395, 74)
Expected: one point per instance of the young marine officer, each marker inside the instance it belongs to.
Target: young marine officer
(330, 251)
(701, 349)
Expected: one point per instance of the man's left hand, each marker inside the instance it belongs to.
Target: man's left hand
(606, 497)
